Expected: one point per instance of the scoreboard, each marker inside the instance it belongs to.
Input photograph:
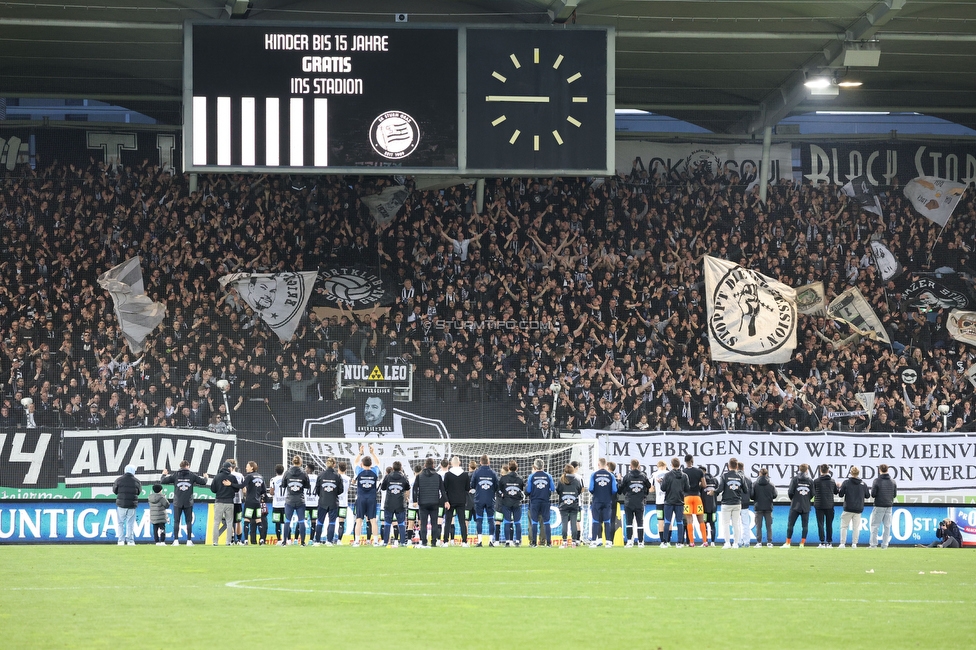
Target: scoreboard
(383, 99)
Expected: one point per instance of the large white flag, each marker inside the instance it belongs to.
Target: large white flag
(138, 315)
(852, 308)
(888, 265)
(811, 300)
(934, 198)
(278, 299)
(962, 326)
(751, 317)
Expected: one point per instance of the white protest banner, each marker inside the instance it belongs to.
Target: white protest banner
(931, 462)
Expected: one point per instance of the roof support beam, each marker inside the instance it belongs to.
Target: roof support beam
(789, 95)
(88, 24)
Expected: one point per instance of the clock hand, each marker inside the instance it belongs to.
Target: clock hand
(527, 99)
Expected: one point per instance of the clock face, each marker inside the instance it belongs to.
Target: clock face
(537, 100)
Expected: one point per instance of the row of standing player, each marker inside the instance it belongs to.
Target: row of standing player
(691, 494)
(432, 502)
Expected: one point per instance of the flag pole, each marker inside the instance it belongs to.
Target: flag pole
(932, 249)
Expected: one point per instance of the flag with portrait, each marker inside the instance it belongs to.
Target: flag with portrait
(278, 299)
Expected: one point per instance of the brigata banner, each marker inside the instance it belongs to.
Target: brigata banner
(97, 458)
(66, 522)
(917, 462)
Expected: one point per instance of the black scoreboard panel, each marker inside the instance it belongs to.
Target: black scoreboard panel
(268, 97)
(538, 99)
(383, 99)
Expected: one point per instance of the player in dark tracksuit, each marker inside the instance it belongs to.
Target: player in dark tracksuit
(800, 493)
(634, 487)
(296, 483)
(255, 491)
(824, 489)
(603, 492)
(428, 493)
(456, 482)
(710, 502)
(568, 491)
(329, 486)
(183, 481)
(511, 487)
(397, 488)
(540, 487)
(675, 485)
(484, 482)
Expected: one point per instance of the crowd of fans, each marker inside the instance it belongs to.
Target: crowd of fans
(596, 285)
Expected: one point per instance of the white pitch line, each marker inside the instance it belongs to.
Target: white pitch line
(243, 584)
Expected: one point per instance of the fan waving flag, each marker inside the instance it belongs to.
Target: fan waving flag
(751, 317)
(384, 206)
(852, 308)
(860, 189)
(884, 259)
(934, 198)
(279, 299)
(810, 300)
(137, 313)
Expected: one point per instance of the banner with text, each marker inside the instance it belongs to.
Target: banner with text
(97, 458)
(929, 462)
(29, 458)
(666, 159)
(883, 162)
(67, 522)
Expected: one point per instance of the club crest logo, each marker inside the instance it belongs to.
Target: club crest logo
(394, 135)
(350, 286)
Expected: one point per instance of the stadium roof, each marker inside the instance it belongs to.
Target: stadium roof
(731, 66)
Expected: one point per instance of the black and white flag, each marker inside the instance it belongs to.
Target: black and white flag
(888, 265)
(860, 189)
(852, 308)
(751, 317)
(962, 326)
(279, 299)
(137, 313)
(811, 300)
(383, 207)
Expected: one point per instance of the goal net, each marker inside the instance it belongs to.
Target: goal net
(412, 452)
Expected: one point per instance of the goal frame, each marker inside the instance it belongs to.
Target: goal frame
(413, 450)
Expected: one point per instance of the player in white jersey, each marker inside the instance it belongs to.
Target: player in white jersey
(343, 500)
(311, 498)
(238, 503)
(278, 502)
(657, 480)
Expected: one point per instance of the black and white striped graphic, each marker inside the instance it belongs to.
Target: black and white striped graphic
(260, 132)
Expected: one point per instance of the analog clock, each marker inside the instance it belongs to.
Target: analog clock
(537, 100)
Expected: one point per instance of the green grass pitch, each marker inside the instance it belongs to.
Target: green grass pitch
(164, 597)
